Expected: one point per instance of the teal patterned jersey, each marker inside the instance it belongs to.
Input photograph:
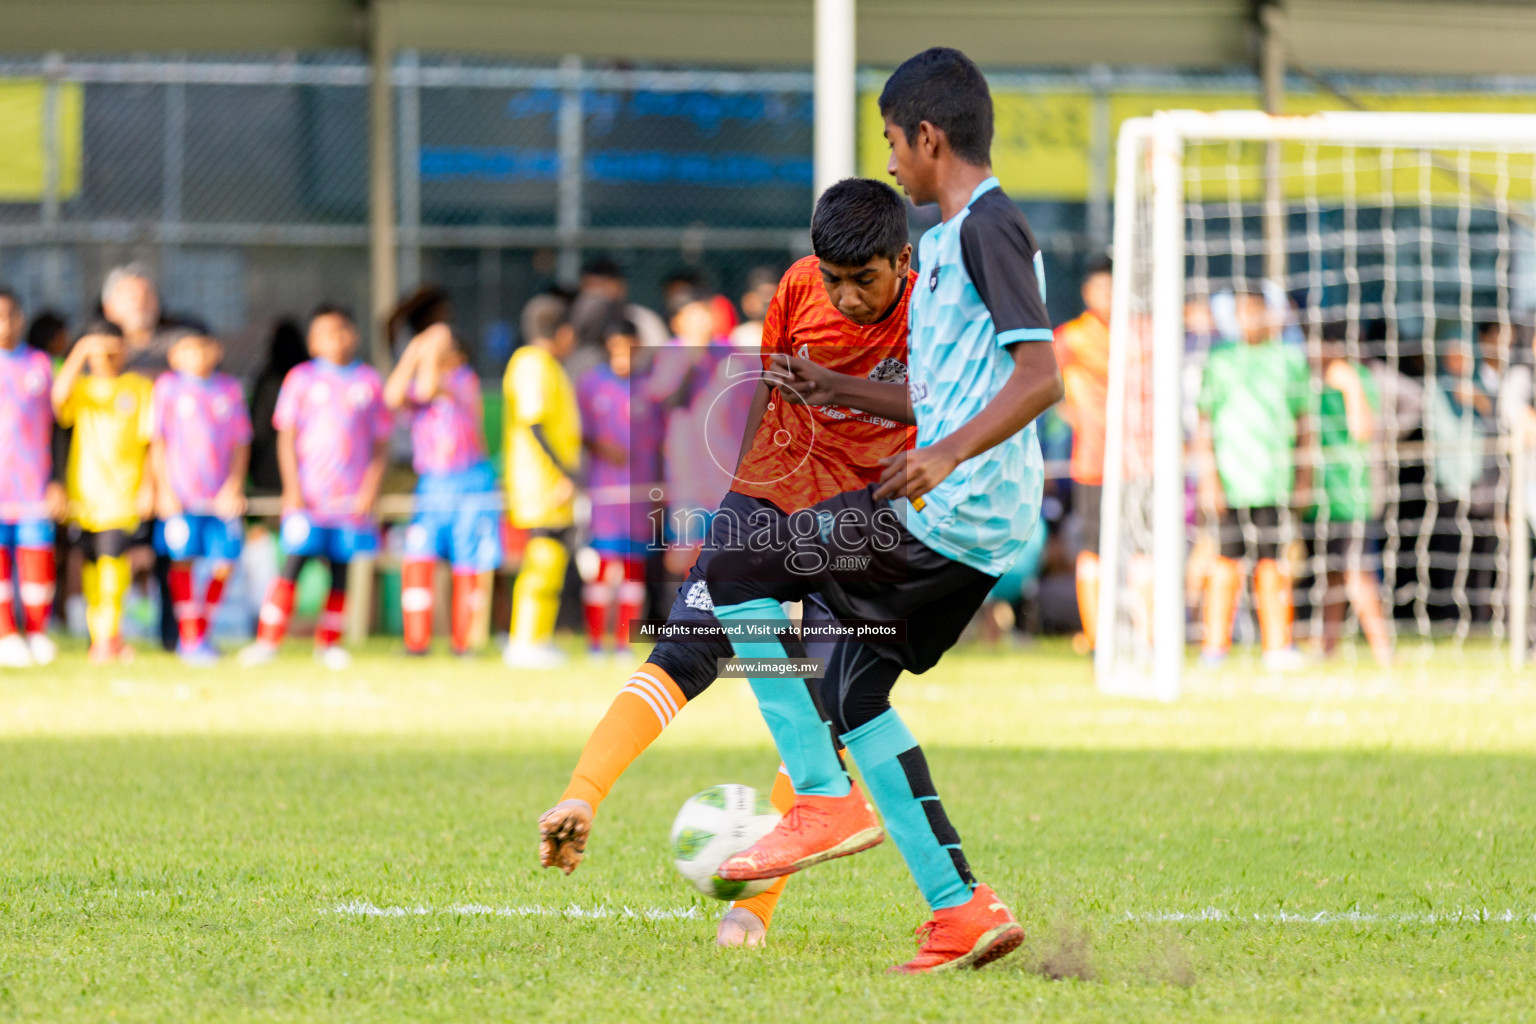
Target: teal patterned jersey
(980, 290)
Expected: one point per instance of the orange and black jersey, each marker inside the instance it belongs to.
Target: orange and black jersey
(805, 454)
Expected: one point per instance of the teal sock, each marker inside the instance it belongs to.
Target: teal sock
(803, 737)
(896, 773)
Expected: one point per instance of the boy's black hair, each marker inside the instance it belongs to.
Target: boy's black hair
(857, 220)
(1100, 264)
(603, 266)
(100, 326)
(332, 309)
(944, 87)
(44, 328)
(620, 328)
(6, 293)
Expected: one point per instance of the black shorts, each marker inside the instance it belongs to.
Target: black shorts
(856, 553)
(1344, 547)
(1250, 531)
(1090, 500)
(692, 663)
(94, 544)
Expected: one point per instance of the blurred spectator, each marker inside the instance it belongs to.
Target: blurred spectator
(762, 282)
(286, 350)
(679, 288)
(1252, 405)
(1345, 412)
(129, 300)
(543, 459)
(603, 284)
(1082, 351)
(1459, 423)
(622, 448)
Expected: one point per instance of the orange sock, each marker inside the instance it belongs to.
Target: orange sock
(646, 705)
(1088, 594)
(782, 797)
(1272, 591)
(466, 605)
(1220, 604)
(416, 603)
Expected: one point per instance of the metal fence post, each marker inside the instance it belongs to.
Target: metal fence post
(382, 279)
(410, 169)
(53, 256)
(1519, 547)
(172, 173)
(571, 127)
(1100, 148)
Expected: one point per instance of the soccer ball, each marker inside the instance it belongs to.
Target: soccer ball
(714, 826)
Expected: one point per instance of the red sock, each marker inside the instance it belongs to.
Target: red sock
(37, 586)
(416, 604)
(595, 598)
(7, 595)
(180, 579)
(275, 612)
(631, 598)
(466, 605)
(211, 598)
(332, 620)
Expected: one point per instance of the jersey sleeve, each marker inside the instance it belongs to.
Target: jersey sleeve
(239, 416)
(285, 416)
(528, 387)
(145, 420)
(1004, 265)
(775, 321)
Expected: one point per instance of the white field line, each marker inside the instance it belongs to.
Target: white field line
(362, 908)
(1327, 917)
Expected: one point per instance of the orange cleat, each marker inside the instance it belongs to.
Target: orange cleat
(974, 934)
(815, 829)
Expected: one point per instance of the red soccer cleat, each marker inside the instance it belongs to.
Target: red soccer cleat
(815, 829)
(973, 934)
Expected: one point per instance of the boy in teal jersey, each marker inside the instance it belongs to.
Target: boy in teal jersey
(923, 547)
(1345, 412)
(1252, 403)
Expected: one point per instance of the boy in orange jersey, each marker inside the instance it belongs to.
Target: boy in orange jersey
(1082, 351)
(838, 325)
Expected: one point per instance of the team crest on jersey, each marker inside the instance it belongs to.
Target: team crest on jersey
(125, 402)
(889, 371)
(221, 408)
(34, 383)
(358, 395)
(698, 598)
(933, 279)
(918, 390)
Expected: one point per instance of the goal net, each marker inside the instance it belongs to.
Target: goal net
(1320, 364)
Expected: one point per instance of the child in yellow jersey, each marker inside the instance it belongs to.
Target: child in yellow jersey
(543, 451)
(110, 489)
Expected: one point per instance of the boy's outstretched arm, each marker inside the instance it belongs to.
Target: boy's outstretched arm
(807, 383)
(1033, 387)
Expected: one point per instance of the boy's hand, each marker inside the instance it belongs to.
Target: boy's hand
(912, 474)
(801, 381)
(229, 503)
(56, 499)
(166, 505)
(563, 491)
(291, 501)
(367, 497)
(145, 505)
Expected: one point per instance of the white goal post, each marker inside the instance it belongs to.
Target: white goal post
(1402, 234)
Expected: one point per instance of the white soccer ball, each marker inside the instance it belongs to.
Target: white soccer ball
(714, 826)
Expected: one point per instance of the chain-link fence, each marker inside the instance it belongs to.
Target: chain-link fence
(243, 182)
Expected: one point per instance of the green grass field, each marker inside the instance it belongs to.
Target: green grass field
(293, 845)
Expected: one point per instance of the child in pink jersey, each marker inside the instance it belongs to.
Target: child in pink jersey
(30, 496)
(332, 434)
(200, 447)
(457, 498)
